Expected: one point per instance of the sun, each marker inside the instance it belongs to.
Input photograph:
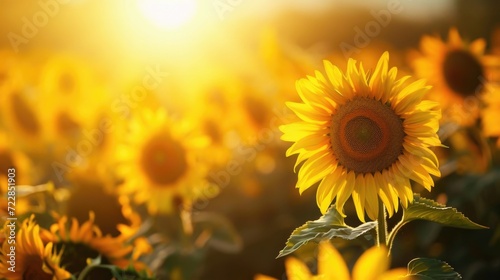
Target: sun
(168, 14)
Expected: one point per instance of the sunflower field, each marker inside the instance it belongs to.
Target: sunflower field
(232, 139)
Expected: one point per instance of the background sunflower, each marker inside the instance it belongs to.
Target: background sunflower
(160, 165)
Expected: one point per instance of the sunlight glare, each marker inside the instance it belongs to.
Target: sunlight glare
(169, 14)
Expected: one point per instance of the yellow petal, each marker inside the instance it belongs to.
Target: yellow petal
(296, 270)
(263, 277)
(358, 196)
(371, 189)
(371, 264)
(331, 265)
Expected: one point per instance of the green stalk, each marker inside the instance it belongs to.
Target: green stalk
(381, 225)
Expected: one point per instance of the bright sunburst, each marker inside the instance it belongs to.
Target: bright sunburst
(169, 14)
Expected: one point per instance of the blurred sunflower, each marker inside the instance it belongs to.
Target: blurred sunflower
(254, 110)
(34, 260)
(214, 122)
(491, 113)
(20, 116)
(457, 71)
(363, 135)
(70, 98)
(94, 190)
(160, 164)
(9, 68)
(11, 158)
(373, 265)
(23, 166)
(86, 241)
(283, 61)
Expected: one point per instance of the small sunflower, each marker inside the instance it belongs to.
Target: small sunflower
(70, 97)
(160, 164)
(373, 264)
(11, 68)
(363, 135)
(216, 127)
(24, 174)
(457, 71)
(95, 191)
(11, 158)
(34, 260)
(20, 116)
(86, 241)
(283, 61)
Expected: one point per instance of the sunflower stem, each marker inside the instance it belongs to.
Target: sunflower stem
(393, 233)
(381, 225)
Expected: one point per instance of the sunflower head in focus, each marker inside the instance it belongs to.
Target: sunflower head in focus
(365, 135)
(373, 264)
(160, 162)
(34, 259)
(457, 72)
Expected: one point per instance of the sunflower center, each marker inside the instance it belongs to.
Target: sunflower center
(256, 110)
(24, 115)
(33, 268)
(66, 125)
(91, 195)
(462, 72)
(213, 131)
(67, 82)
(163, 160)
(75, 255)
(366, 135)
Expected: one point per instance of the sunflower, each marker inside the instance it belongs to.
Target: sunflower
(11, 158)
(373, 264)
(283, 62)
(215, 124)
(86, 241)
(159, 162)
(20, 116)
(458, 73)
(34, 260)
(29, 198)
(71, 98)
(363, 135)
(95, 191)
(10, 69)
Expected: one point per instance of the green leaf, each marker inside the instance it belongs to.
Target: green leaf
(423, 268)
(328, 226)
(429, 210)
